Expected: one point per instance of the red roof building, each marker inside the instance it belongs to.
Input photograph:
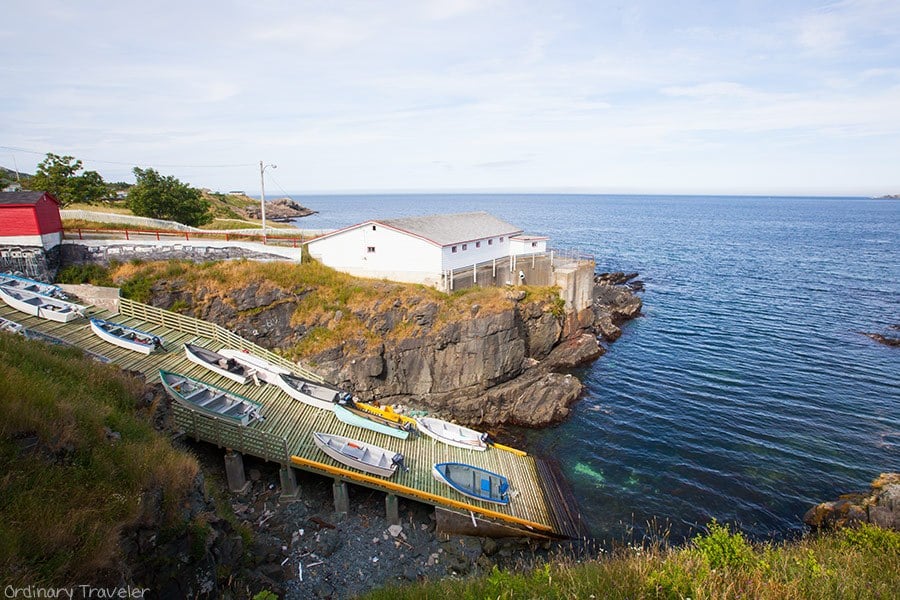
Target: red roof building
(30, 219)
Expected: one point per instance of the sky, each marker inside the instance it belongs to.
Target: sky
(640, 96)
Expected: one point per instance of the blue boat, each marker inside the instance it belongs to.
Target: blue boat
(473, 482)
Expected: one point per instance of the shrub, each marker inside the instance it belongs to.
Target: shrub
(723, 549)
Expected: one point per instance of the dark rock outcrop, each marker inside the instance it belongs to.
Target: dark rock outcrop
(489, 366)
(891, 341)
(880, 507)
(282, 209)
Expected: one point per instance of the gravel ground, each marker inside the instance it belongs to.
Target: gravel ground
(303, 549)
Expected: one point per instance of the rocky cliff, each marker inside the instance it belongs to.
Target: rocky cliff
(489, 357)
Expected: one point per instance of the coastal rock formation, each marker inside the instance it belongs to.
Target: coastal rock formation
(880, 507)
(282, 209)
(887, 340)
(490, 366)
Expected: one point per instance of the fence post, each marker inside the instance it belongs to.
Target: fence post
(187, 236)
(80, 237)
(475, 273)
(126, 233)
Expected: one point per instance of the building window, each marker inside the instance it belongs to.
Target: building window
(465, 247)
(478, 244)
(491, 242)
(501, 239)
(371, 249)
(373, 228)
(534, 244)
(453, 249)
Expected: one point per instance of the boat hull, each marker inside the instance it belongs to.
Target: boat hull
(351, 418)
(265, 370)
(31, 285)
(473, 482)
(210, 400)
(317, 395)
(97, 326)
(356, 454)
(10, 326)
(451, 434)
(193, 355)
(41, 306)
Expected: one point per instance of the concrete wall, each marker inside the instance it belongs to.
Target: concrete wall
(34, 262)
(537, 270)
(576, 283)
(103, 251)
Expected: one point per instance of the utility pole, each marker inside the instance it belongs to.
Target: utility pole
(262, 195)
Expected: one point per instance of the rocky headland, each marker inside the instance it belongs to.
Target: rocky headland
(282, 209)
(499, 357)
(886, 340)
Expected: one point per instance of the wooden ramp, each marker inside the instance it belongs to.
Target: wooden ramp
(540, 504)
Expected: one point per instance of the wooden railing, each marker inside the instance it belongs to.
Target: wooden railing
(173, 320)
(245, 440)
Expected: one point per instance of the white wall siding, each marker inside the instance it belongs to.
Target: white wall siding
(393, 255)
(527, 246)
(47, 240)
(473, 253)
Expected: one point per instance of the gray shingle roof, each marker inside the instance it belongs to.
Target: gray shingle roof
(20, 197)
(452, 229)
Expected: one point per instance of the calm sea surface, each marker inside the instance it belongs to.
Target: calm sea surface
(745, 393)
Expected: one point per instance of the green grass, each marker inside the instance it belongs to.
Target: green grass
(853, 563)
(67, 492)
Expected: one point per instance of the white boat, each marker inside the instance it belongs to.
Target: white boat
(312, 393)
(126, 337)
(265, 370)
(10, 326)
(356, 454)
(452, 434)
(473, 481)
(44, 307)
(215, 362)
(210, 400)
(31, 285)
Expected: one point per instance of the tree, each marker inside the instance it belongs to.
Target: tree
(58, 175)
(167, 198)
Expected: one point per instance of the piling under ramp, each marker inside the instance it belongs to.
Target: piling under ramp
(541, 505)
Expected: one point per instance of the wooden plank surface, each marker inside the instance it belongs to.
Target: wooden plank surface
(290, 423)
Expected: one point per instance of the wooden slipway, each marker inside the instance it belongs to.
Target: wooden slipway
(541, 504)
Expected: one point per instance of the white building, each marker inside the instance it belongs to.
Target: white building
(421, 249)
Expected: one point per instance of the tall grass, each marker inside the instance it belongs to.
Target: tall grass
(853, 563)
(68, 485)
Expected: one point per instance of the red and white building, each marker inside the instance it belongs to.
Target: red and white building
(30, 219)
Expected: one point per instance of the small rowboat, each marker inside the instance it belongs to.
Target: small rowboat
(10, 326)
(210, 400)
(312, 393)
(30, 285)
(126, 337)
(356, 454)
(37, 305)
(217, 363)
(265, 370)
(347, 412)
(473, 482)
(452, 434)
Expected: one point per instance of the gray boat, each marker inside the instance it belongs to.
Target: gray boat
(210, 400)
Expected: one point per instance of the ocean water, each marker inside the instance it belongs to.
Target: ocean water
(746, 392)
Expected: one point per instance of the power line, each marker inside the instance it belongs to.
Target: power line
(138, 164)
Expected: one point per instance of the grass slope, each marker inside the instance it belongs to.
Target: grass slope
(852, 563)
(68, 488)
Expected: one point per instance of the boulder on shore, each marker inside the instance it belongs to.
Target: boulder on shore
(879, 507)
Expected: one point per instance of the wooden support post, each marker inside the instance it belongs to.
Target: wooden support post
(341, 496)
(234, 472)
(392, 509)
(290, 491)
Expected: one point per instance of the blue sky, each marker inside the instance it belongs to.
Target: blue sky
(746, 96)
